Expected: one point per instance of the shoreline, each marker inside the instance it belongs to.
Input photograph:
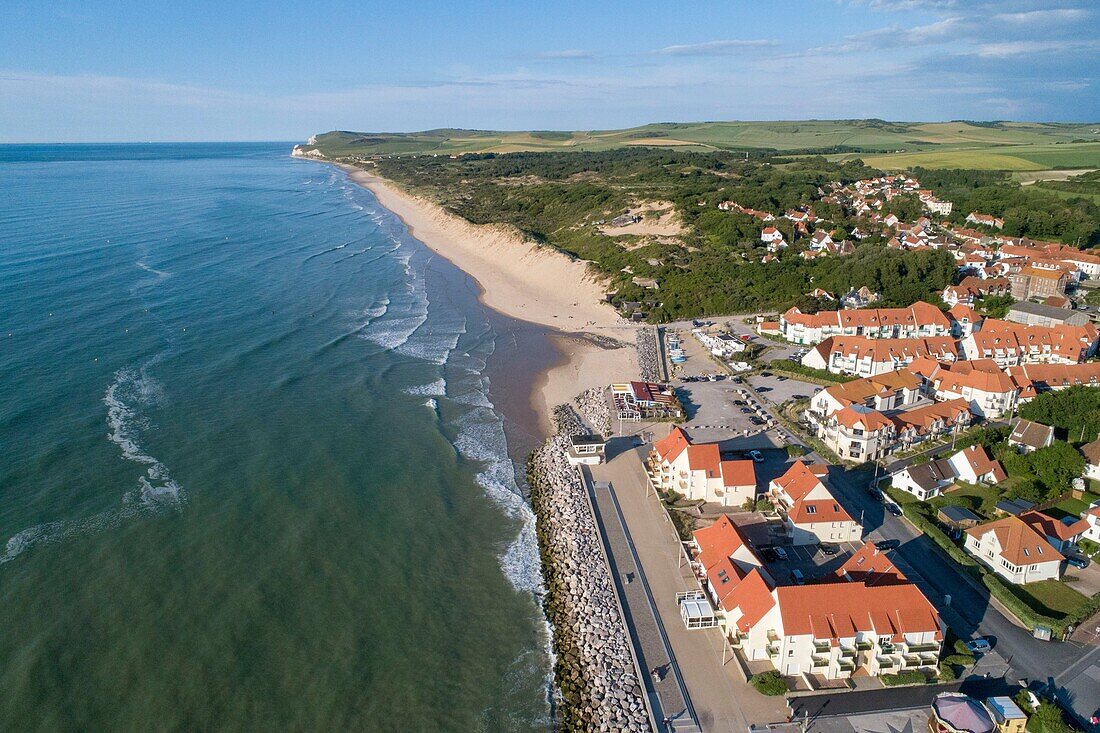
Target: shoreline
(525, 282)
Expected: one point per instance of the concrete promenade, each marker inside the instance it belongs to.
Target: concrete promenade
(668, 696)
(721, 697)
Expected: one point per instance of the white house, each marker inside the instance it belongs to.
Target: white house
(974, 466)
(1015, 551)
(771, 235)
(1092, 459)
(698, 471)
(1028, 436)
(1092, 516)
(926, 480)
(811, 513)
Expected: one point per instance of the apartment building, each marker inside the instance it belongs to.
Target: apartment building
(1037, 282)
(811, 514)
(867, 357)
(1032, 379)
(989, 391)
(1010, 344)
(697, 471)
(920, 320)
(867, 618)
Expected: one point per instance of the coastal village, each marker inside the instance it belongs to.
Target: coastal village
(783, 515)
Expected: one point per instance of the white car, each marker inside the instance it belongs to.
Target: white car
(780, 553)
(756, 456)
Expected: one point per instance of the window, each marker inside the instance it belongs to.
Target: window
(811, 510)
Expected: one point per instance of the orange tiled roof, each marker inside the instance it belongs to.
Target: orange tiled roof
(1020, 544)
(839, 610)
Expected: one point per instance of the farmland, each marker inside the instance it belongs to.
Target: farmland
(888, 145)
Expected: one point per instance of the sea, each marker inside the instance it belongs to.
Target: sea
(258, 451)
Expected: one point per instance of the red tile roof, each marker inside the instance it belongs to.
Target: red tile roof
(1020, 544)
(837, 611)
(870, 565)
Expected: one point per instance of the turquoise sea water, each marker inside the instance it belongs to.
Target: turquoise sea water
(251, 476)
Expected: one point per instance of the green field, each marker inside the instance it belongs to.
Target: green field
(889, 145)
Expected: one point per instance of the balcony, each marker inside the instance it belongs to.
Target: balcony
(773, 650)
(846, 666)
(917, 648)
(819, 662)
(886, 662)
(864, 646)
(847, 652)
(909, 661)
(822, 647)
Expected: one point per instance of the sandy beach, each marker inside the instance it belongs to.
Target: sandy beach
(530, 283)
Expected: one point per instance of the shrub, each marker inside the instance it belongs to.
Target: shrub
(769, 683)
(763, 505)
(1049, 719)
(959, 660)
(794, 451)
(947, 673)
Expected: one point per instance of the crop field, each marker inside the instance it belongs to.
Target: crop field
(1009, 146)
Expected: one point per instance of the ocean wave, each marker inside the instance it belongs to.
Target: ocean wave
(131, 390)
(481, 438)
(438, 388)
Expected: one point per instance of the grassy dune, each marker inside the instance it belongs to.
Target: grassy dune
(1013, 146)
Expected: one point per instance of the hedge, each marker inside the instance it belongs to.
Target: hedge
(794, 368)
(908, 677)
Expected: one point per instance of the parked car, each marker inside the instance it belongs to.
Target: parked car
(762, 390)
(739, 402)
(746, 410)
(875, 493)
(1078, 561)
(780, 553)
(883, 545)
(765, 374)
(829, 549)
(756, 456)
(781, 379)
(756, 421)
(799, 578)
(978, 646)
(799, 397)
(894, 509)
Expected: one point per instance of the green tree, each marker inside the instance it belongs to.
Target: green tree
(1057, 465)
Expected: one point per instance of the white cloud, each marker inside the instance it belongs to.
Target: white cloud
(568, 53)
(713, 48)
(1053, 15)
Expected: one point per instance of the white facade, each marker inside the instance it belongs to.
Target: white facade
(986, 548)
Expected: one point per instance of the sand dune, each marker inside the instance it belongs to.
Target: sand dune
(525, 281)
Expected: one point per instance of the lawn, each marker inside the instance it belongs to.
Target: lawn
(1070, 507)
(970, 159)
(979, 499)
(1050, 597)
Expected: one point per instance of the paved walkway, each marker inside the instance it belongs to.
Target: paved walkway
(722, 699)
(668, 696)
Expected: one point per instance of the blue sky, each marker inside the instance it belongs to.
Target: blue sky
(123, 70)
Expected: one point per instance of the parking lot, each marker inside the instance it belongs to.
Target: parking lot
(780, 388)
(810, 560)
(717, 411)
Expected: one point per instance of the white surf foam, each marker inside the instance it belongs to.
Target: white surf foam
(438, 388)
(131, 390)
